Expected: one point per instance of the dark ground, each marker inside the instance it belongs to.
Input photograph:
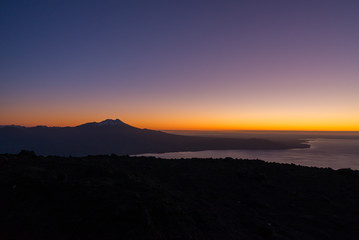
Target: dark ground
(111, 197)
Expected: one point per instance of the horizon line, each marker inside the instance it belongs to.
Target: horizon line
(199, 130)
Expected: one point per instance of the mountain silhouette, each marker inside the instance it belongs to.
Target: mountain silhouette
(106, 123)
(114, 136)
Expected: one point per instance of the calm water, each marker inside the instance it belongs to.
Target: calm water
(333, 153)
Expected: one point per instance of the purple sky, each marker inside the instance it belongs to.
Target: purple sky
(181, 64)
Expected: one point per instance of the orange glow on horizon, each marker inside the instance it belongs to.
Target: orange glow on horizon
(178, 66)
(189, 116)
(201, 124)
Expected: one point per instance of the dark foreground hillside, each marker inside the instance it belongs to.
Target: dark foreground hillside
(110, 197)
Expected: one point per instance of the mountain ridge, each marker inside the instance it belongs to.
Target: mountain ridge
(106, 123)
(114, 136)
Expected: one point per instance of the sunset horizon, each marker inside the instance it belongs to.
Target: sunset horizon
(181, 65)
(179, 119)
(201, 126)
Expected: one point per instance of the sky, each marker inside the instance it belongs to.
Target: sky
(198, 64)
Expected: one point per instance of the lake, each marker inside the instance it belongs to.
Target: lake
(333, 153)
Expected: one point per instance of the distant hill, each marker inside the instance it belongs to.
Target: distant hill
(115, 136)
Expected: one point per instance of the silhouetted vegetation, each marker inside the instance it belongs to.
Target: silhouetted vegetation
(122, 197)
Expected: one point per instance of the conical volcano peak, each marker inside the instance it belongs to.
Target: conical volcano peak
(111, 122)
(106, 123)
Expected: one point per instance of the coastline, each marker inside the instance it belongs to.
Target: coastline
(323, 152)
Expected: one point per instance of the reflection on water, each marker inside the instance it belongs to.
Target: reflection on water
(333, 153)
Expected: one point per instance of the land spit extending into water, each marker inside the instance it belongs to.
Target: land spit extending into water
(121, 197)
(115, 136)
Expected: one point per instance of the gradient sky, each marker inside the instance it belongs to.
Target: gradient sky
(225, 64)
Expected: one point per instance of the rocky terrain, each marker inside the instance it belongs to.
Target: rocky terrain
(121, 197)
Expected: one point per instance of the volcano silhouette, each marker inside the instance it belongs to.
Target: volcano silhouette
(114, 136)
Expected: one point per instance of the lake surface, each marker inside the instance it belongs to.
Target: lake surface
(333, 153)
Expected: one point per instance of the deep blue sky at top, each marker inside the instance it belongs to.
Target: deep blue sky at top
(89, 51)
